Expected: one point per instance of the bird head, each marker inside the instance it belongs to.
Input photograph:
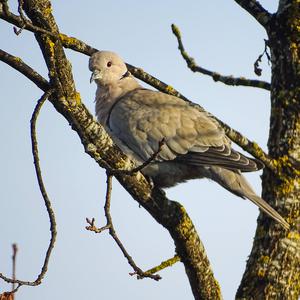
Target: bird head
(107, 68)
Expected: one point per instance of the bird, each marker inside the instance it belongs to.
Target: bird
(184, 141)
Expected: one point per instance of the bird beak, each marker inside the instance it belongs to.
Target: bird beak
(95, 75)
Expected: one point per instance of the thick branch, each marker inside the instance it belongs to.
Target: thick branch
(98, 144)
(256, 10)
(96, 141)
(228, 80)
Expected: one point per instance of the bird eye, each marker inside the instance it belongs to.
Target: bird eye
(109, 64)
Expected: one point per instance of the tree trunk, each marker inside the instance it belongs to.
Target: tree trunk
(273, 268)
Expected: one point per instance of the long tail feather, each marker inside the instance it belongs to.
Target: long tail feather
(264, 206)
(236, 183)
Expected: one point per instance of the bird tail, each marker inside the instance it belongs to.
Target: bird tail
(265, 207)
(236, 183)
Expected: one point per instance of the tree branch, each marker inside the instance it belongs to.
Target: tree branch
(256, 10)
(247, 145)
(19, 65)
(138, 168)
(45, 197)
(257, 69)
(79, 46)
(234, 135)
(96, 141)
(99, 145)
(165, 264)
(14, 265)
(19, 21)
(228, 80)
(41, 184)
(110, 227)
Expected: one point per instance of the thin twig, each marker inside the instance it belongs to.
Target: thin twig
(163, 265)
(228, 80)
(41, 184)
(257, 69)
(19, 21)
(79, 46)
(20, 10)
(22, 16)
(14, 264)
(45, 197)
(18, 31)
(147, 162)
(115, 172)
(109, 226)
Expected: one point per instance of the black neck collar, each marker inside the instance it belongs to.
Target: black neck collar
(127, 74)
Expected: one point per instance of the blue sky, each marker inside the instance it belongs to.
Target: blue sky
(221, 37)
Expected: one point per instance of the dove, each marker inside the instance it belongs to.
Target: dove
(184, 141)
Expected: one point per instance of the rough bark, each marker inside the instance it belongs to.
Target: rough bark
(273, 268)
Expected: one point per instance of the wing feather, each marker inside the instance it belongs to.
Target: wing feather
(142, 118)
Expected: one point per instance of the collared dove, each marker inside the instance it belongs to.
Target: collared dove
(194, 145)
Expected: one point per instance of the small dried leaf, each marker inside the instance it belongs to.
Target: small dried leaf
(257, 69)
(7, 296)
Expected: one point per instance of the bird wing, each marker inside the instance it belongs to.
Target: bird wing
(142, 118)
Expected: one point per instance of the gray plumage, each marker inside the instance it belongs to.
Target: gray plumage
(194, 144)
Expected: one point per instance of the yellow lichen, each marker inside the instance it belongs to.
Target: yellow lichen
(294, 235)
(48, 11)
(261, 273)
(257, 150)
(265, 259)
(287, 186)
(67, 40)
(78, 98)
(51, 45)
(169, 89)
(283, 162)
(164, 264)
(17, 59)
(51, 73)
(218, 289)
